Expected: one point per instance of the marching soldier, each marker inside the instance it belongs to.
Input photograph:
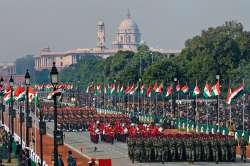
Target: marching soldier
(160, 149)
(198, 149)
(243, 147)
(173, 149)
(148, 148)
(224, 150)
(139, 149)
(180, 147)
(232, 146)
(215, 150)
(190, 150)
(207, 148)
(131, 149)
(165, 155)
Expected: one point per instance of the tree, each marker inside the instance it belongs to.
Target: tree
(24, 63)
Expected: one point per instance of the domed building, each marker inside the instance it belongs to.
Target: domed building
(128, 36)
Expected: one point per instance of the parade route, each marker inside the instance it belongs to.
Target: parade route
(83, 149)
(118, 151)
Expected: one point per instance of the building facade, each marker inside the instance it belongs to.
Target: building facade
(7, 69)
(127, 37)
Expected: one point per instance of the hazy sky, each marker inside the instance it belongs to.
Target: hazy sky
(28, 25)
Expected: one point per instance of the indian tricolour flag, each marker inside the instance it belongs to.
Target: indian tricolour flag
(169, 90)
(112, 88)
(99, 89)
(105, 89)
(32, 94)
(196, 90)
(57, 92)
(207, 91)
(148, 92)
(132, 91)
(121, 91)
(7, 95)
(233, 93)
(216, 89)
(160, 88)
(129, 88)
(19, 93)
(87, 90)
(142, 89)
(184, 88)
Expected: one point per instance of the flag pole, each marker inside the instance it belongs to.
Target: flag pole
(195, 118)
(133, 102)
(230, 113)
(207, 112)
(179, 114)
(187, 111)
(35, 123)
(172, 105)
(218, 105)
(243, 111)
(156, 102)
(144, 105)
(150, 108)
(163, 108)
(139, 96)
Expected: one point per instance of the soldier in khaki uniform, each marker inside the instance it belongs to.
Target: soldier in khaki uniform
(243, 147)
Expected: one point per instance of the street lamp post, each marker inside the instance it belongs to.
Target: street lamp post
(27, 84)
(54, 82)
(42, 128)
(2, 105)
(21, 118)
(78, 93)
(174, 99)
(11, 111)
(218, 105)
(11, 120)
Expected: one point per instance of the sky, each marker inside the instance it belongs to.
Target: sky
(26, 26)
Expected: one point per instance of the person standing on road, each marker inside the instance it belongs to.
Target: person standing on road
(60, 161)
(71, 161)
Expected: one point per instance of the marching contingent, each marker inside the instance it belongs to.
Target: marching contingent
(140, 117)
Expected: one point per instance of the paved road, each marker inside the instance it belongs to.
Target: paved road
(118, 151)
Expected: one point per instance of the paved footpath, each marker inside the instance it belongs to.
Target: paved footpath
(81, 159)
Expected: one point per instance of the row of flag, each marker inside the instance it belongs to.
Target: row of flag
(131, 89)
(64, 86)
(18, 93)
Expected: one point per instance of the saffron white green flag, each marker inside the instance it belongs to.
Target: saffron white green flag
(233, 93)
(196, 90)
(207, 91)
(216, 89)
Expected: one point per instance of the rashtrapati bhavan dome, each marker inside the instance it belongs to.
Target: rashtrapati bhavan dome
(127, 37)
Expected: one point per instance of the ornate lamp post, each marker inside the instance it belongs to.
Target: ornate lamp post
(42, 128)
(54, 82)
(28, 119)
(11, 120)
(11, 111)
(2, 105)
